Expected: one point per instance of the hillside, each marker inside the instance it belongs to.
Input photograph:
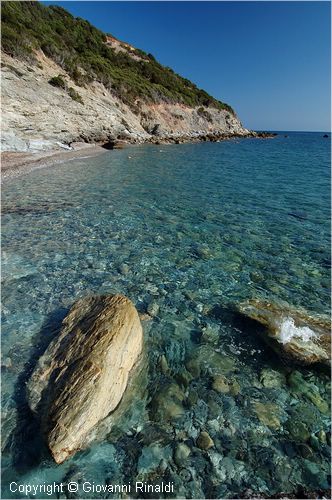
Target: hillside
(64, 80)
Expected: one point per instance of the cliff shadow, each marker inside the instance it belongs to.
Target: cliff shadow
(26, 441)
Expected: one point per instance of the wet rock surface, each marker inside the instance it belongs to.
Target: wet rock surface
(83, 374)
(294, 334)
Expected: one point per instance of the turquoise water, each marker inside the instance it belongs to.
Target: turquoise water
(187, 232)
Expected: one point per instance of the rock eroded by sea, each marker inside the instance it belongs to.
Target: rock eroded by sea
(82, 376)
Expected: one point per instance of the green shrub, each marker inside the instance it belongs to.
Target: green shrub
(58, 81)
(75, 95)
(204, 114)
(80, 49)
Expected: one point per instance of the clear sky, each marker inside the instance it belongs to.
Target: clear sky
(269, 60)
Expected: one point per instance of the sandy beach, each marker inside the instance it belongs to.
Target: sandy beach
(15, 164)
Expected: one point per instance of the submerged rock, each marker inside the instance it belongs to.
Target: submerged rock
(181, 454)
(204, 441)
(167, 404)
(205, 359)
(224, 386)
(268, 414)
(220, 384)
(83, 374)
(271, 379)
(293, 334)
(298, 430)
(163, 364)
(308, 390)
(153, 309)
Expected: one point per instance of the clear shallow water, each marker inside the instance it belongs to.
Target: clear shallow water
(193, 229)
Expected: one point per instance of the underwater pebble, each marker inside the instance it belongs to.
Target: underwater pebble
(272, 379)
(192, 397)
(322, 436)
(151, 458)
(124, 269)
(182, 453)
(204, 441)
(6, 363)
(167, 403)
(315, 475)
(163, 364)
(267, 414)
(184, 378)
(220, 384)
(210, 334)
(305, 450)
(153, 309)
(297, 429)
(300, 386)
(213, 425)
(185, 475)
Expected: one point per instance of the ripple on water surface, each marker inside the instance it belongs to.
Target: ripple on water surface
(187, 232)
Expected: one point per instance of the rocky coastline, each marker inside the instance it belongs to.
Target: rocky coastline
(40, 120)
(17, 163)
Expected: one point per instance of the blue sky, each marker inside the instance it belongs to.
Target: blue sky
(269, 60)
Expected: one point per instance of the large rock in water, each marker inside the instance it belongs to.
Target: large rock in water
(83, 374)
(294, 334)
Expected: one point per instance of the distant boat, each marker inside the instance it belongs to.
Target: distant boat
(325, 135)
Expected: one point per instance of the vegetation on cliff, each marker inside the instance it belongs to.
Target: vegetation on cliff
(81, 50)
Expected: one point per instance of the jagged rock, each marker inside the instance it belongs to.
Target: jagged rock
(83, 374)
(294, 334)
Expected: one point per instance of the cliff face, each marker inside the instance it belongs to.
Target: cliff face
(53, 96)
(37, 116)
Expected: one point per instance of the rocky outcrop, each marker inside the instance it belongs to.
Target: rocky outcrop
(82, 376)
(37, 116)
(293, 334)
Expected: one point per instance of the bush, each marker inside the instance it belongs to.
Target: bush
(75, 95)
(204, 114)
(80, 50)
(58, 81)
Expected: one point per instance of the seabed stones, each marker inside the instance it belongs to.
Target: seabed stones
(204, 441)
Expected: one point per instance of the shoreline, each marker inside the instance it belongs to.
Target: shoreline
(15, 163)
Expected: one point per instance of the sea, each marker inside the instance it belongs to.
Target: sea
(188, 232)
